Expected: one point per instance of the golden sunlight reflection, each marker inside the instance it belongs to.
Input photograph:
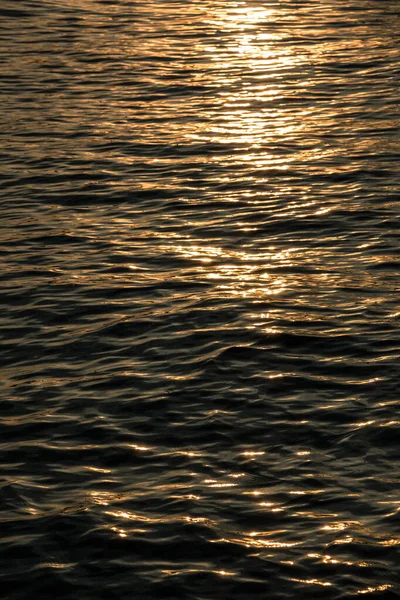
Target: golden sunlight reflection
(134, 517)
(97, 469)
(252, 48)
(252, 453)
(63, 566)
(213, 483)
(348, 539)
(390, 542)
(174, 572)
(240, 272)
(379, 588)
(339, 526)
(257, 542)
(139, 448)
(327, 559)
(313, 582)
(120, 532)
(243, 17)
(103, 498)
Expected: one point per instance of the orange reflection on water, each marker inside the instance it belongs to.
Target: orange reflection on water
(175, 572)
(213, 483)
(313, 582)
(252, 453)
(379, 588)
(327, 559)
(119, 531)
(97, 469)
(253, 50)
(390, 542)
(339, 526)
(253, 542)
(240, 273)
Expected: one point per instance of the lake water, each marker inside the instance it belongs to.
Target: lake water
(200, 309)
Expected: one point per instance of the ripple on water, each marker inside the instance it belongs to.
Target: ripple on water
(199, 335)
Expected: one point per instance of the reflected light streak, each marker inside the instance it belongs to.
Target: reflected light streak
(130, 516)
(327, 559)
(140, 448)
(391, 542)
(252, 49)
(97, 469)
(121, 532)
(253, 493)
(213, 483)
(241, 273)
(339, 526)
(379, 588)
(175, 572)
(256, 543)
(313, 582)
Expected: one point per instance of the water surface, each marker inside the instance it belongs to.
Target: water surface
(200, 299)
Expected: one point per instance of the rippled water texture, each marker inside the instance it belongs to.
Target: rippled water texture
(200, 284)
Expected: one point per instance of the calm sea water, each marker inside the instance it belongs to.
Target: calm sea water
(199, 296)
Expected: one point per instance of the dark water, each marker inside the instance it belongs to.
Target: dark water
(200, 285)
